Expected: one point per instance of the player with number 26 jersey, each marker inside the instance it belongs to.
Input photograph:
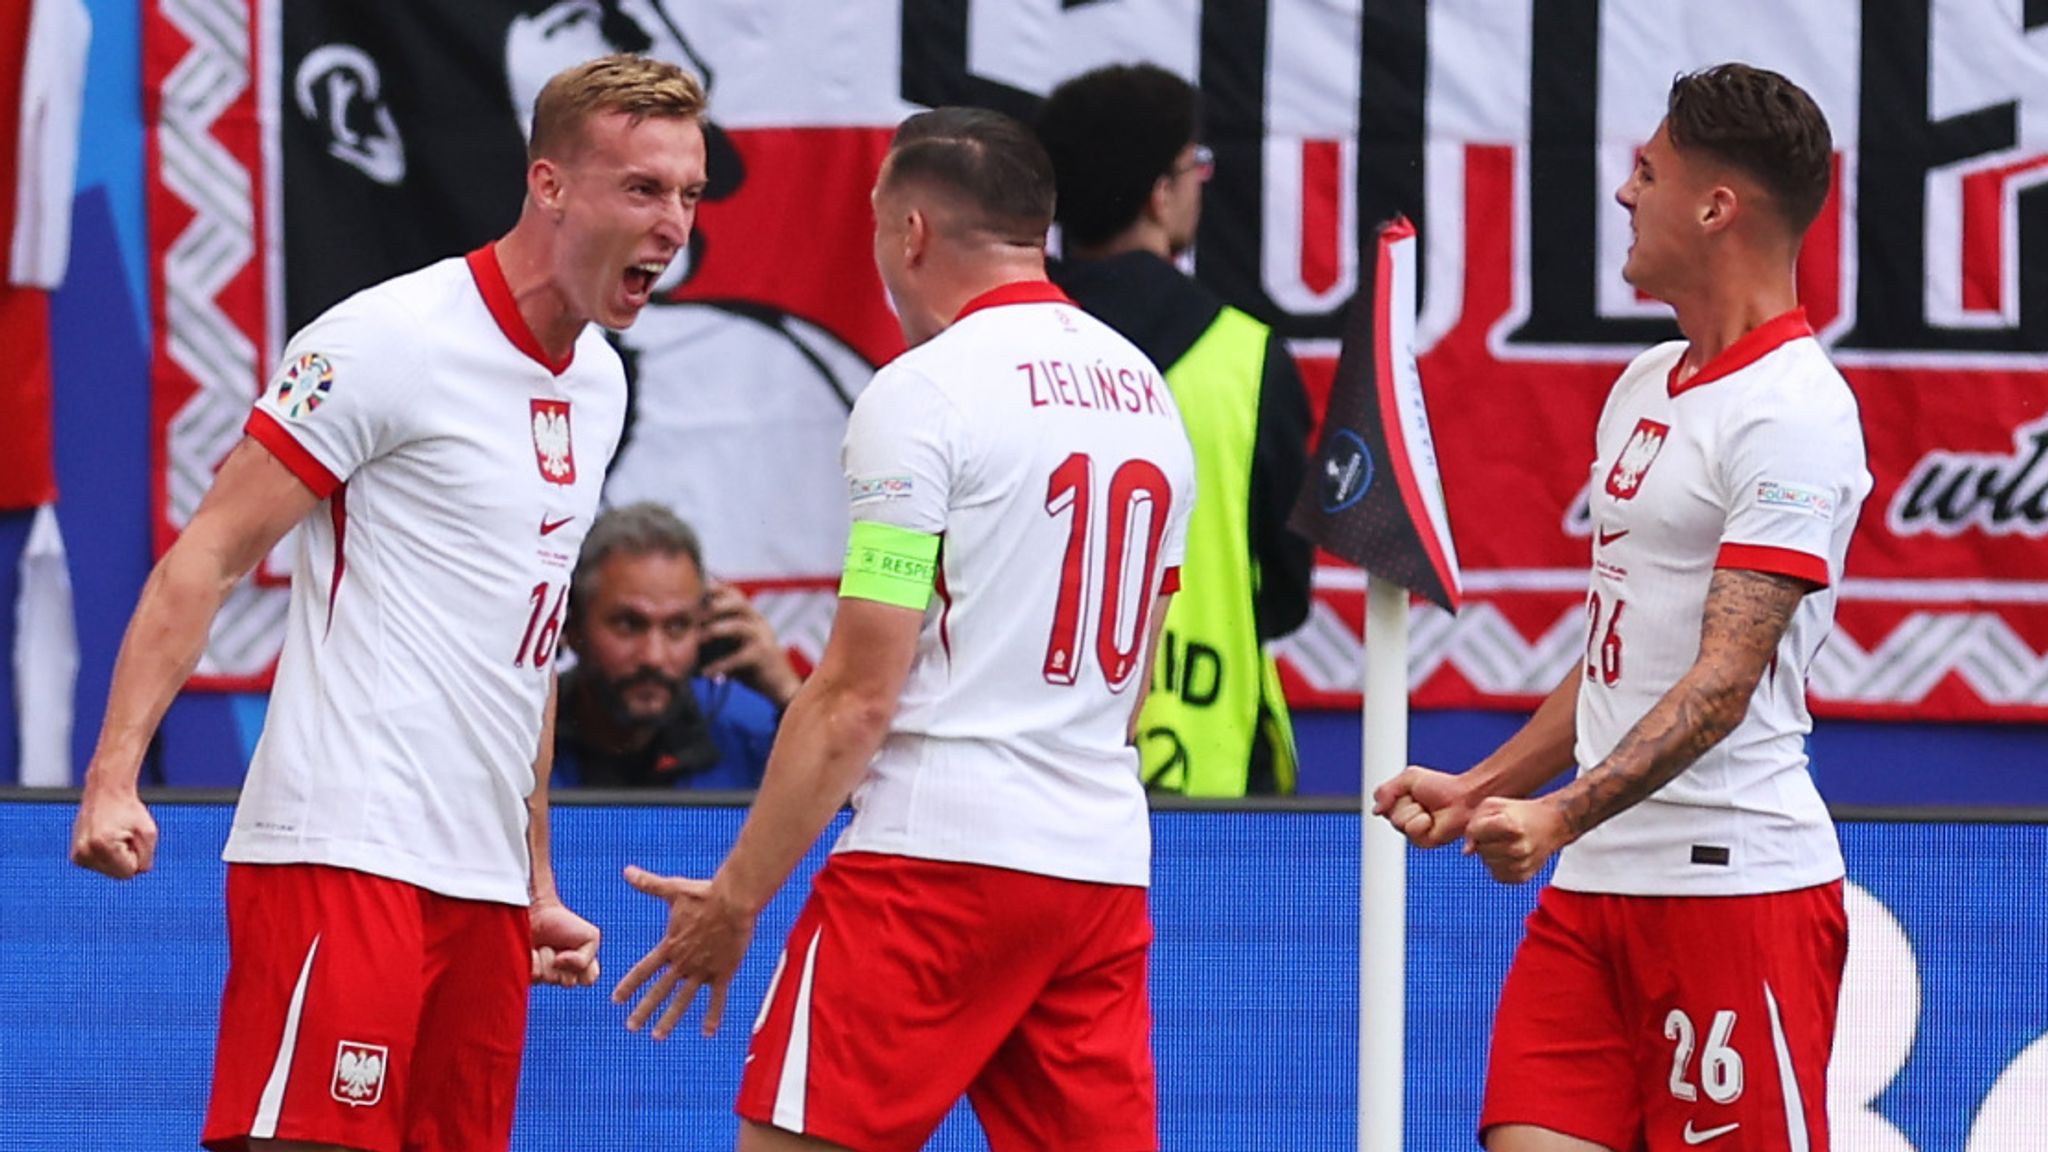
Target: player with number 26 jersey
(1756, 463)
(1046, 453)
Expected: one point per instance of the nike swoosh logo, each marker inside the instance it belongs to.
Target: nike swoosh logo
(547, 526)
(1692, 1137)
(1607, 537)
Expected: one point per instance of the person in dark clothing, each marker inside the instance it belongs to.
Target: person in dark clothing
(675, 686)
(1126, 149)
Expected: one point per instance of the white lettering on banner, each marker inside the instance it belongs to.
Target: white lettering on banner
(1309, 164)
(1973, 255)
(767, 65)
(1490, 72)
(1944, 189)
(1642, 47)
(1312, 80)
(1579, 143)
(1311, 186)
(1984, 64)
(1036, 44)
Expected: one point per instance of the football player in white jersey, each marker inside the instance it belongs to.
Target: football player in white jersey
(1020, 483)
(439, 440)
(1677, 983)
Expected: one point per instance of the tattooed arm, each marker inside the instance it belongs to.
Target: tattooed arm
(1746, 615)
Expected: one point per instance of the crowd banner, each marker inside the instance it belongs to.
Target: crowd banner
(299, 151)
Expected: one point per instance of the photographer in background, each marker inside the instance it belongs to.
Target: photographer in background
(676, 685)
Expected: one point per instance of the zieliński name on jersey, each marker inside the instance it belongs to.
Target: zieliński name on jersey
(1063, 384)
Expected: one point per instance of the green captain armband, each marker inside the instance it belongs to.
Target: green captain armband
(890, 564)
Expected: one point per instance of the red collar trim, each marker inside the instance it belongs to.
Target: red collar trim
(497, 292)
(1755, 344)
(1016, 292)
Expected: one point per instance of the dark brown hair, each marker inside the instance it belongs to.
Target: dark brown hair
(1112, 133)
(1760, 122)
(990, 162)
(636, 85)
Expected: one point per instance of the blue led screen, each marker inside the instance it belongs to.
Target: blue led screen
(108, 992)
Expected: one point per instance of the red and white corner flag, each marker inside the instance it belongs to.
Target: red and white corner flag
(1376, 498)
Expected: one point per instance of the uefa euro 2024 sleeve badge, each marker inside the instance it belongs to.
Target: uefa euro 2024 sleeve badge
(303, 385)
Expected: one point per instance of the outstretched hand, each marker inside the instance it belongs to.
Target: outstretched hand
(564, 946)
(1429, 807)
(706, 940)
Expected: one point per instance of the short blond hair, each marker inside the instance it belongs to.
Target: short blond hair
(639, 86)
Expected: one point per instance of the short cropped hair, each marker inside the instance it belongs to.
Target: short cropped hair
(643, 529)
(639, 86)
(1112, 133)
(990, 162)
(1761, 123)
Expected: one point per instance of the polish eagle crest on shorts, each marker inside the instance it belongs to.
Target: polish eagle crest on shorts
(359, 1073)
(1625, 479)
(552, 448)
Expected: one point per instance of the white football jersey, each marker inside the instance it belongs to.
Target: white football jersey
(461, 471)
(1756, 463)
(1047, 453)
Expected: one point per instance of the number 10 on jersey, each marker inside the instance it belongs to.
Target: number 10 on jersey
(1120, 587)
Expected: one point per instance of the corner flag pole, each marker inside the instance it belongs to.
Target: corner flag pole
(1383, 873)
(1375, 498)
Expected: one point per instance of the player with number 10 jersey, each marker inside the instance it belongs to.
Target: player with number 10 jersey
(981, 926)
(1019, 483)
(1046, 453)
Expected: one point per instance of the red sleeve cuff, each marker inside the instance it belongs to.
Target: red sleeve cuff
(1778, 561)
(265, 430)
(1170, 582)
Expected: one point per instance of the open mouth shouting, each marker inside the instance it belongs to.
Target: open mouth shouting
(639, 281)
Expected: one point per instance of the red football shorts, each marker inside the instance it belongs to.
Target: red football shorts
(1665, 1022)
(906, 983)
(367, 1013)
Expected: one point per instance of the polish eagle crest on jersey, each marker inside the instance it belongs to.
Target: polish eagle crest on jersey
(552, 448)
(359, 1073)
(1625, 479)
